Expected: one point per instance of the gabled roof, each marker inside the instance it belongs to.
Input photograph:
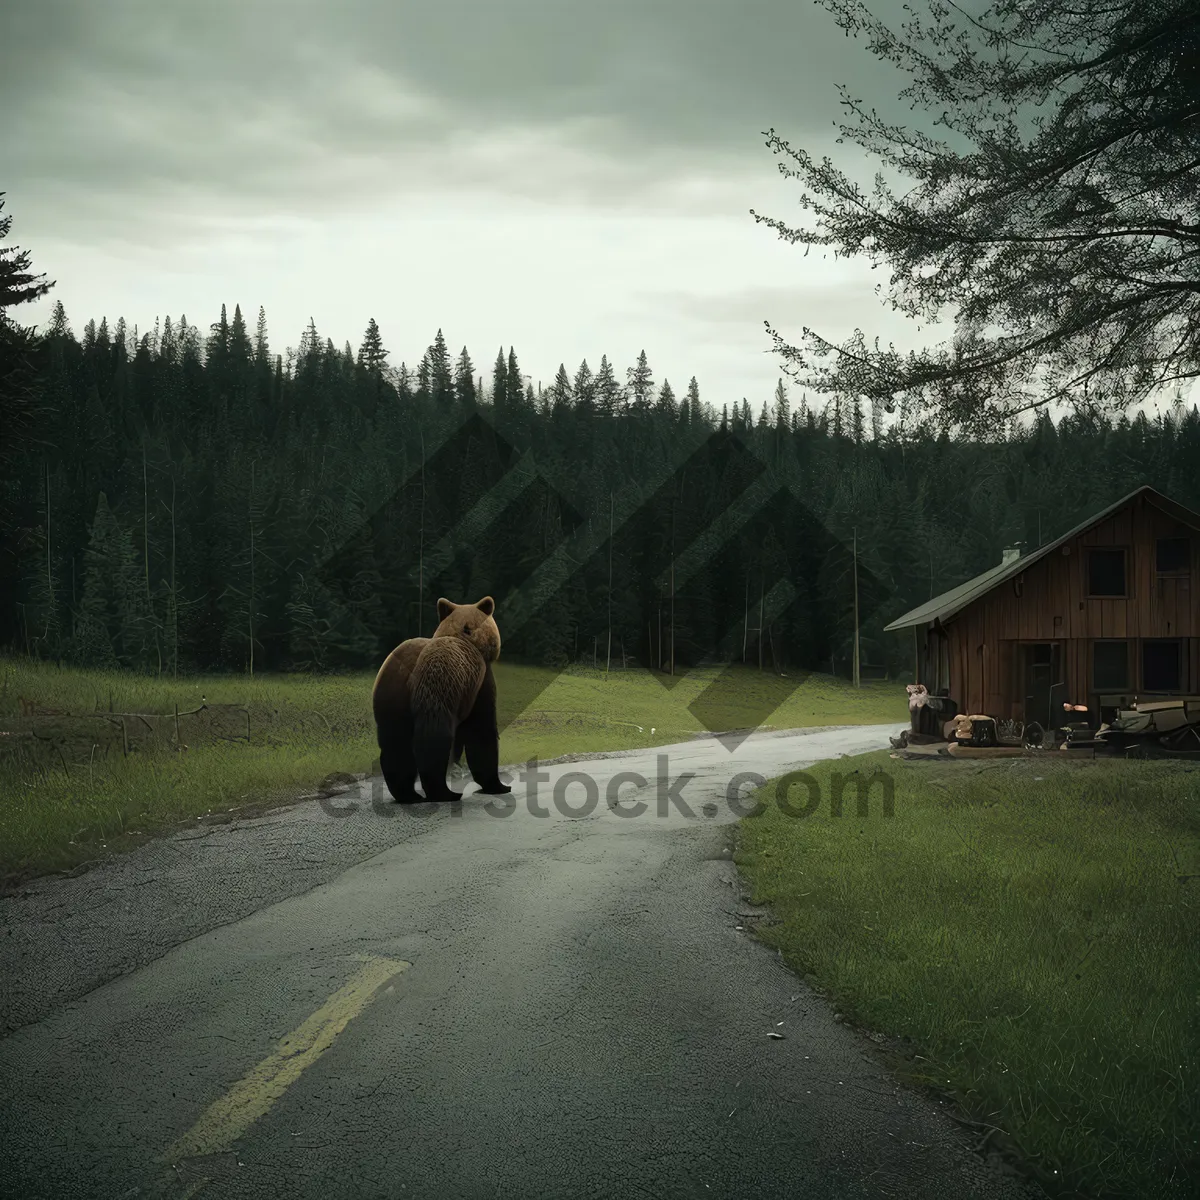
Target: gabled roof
(948, 603)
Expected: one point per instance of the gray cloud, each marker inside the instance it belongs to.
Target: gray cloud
(135, 115)
(835, 309)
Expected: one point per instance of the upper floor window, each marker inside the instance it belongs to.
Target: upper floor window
(1106, 572)
(1172, 556)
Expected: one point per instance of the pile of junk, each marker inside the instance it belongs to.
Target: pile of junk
(1162, 728)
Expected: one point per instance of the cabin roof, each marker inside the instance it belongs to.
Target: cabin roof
(957, 598)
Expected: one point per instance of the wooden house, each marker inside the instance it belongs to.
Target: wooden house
(1107, 614)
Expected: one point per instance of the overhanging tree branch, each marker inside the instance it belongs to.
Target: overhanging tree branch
(1071, 238)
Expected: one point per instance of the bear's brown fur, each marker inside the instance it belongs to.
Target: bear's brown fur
(436, 697)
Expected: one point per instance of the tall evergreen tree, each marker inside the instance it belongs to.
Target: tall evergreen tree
(109, 624)
(584, 390)
(371, 353)
(441, 378)
(22, 409)
(241, 357)
(691, 403)
(782, 407)
(17, 284)
(666, 404)
(640, 384)
(262, 345)
(425, 377)
(59, 327)
(560, 393)
(517, 398)
(464, 382)
(608, 391)
(500, 383)
(310, 342)
(217, 349)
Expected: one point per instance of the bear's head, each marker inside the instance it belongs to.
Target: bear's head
(472, 622)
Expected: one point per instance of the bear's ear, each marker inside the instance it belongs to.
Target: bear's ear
(445, 608)
(487, 606)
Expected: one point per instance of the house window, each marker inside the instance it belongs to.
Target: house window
(1110, 666)
(1106, 573)
(1162, 666)
(1172, 555)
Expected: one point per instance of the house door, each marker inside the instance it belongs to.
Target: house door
(1042, 684)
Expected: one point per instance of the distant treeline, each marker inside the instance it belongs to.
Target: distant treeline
(201, 503)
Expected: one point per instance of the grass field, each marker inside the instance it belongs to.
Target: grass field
(1031, 927)
(90, 764)
(1027, 927)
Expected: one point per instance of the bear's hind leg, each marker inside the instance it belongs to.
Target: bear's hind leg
(483, 758)
(399, 770)
(432, 747)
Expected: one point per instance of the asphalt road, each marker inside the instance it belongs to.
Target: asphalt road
(450, 1002)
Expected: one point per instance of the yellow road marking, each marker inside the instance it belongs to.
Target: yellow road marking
(229, 1117)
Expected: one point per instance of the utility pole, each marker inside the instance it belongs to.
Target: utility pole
(421, 543)
(857, 659)
(672, 588)
(746, 621)
(608, 664)
(762, 583)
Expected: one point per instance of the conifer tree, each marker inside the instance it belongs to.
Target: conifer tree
(517, 398)
(425, 376)
(262, 346)
(17, 284)
(640, 384)
(217, 349)
(691, 403)
(584, 390)
(59, 327)
(666, 403)
(22, 408)
(560, 393)
(441, 377)
(782, 406)
(371, 353)
(108, 624)
(464, 382)
(608, 391)
(500, 383)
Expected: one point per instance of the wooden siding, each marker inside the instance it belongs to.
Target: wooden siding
(1049, 602)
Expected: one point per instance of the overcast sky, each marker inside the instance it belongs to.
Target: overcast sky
(571, 177)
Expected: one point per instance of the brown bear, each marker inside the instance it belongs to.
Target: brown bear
(435, 698)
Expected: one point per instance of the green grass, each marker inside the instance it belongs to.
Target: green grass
(83, 787)
(1031, 927)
